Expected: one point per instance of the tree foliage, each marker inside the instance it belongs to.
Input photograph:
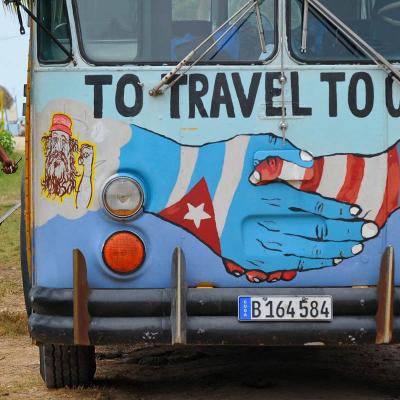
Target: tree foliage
(6, 100)
(6, 139)
(11, 6)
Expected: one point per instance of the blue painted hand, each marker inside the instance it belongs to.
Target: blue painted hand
(290, 230)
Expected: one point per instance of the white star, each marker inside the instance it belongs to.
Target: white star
(196, 214)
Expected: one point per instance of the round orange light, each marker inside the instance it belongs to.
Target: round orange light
(124, 252)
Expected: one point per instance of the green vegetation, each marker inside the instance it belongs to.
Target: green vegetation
(6, 139)
(12, 319)
(9, 230)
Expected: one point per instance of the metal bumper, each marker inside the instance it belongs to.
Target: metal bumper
(202, 316)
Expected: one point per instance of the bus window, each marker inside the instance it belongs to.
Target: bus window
(162, 31)
(376, 21)
(109, 31)
(242, 44)
(184, 10)
(54, 16)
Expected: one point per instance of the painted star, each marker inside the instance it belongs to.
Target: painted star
(196, 214)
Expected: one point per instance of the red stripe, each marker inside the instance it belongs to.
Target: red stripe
(390, 201)
(317, 169)
(354, 176)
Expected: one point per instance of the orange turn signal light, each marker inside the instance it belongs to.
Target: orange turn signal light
(124, 252)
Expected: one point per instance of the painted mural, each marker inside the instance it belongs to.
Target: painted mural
(247, 211)
(62, 155)
(247, 206)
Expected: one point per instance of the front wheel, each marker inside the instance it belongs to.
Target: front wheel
(67, 366)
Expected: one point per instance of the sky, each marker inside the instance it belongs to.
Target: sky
(13, 56)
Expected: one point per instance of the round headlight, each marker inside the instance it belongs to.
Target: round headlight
(123, 197)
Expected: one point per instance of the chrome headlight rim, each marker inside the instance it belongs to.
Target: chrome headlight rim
(138, 186)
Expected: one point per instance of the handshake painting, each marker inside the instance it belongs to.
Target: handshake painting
(267, 208)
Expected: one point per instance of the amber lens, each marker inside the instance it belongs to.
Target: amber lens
(124, 252)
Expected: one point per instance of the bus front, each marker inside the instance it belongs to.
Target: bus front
(207, 172)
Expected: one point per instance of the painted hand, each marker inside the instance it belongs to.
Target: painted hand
(273, 230)
(290, 230)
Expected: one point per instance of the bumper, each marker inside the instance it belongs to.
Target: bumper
(142, 316)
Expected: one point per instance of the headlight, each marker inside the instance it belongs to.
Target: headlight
(123, 197)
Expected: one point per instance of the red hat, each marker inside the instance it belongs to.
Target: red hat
(61, 122)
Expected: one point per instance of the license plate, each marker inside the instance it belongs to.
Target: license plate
(285, 308)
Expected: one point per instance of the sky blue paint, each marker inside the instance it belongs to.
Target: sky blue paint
(209, 165)
(156, 161)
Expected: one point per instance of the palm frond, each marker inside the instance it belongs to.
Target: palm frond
(12, 8)
(5, 98)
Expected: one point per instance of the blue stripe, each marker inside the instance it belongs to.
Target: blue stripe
(155, 160)
(209, 166)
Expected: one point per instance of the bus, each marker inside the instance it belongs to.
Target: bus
(219, 172)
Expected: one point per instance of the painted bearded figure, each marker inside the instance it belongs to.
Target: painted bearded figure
(60, 149)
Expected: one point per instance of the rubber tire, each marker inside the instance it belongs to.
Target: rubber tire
(26, 279)
(67, 366)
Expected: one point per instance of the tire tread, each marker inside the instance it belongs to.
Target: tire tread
(67, 366)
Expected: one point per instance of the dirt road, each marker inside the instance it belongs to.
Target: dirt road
(215, 373)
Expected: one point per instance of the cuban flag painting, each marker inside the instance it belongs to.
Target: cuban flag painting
(267, 209)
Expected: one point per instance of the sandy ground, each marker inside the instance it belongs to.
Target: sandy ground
(214, 373)
(19, 143)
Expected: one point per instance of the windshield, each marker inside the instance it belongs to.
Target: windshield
(53, 15)
(375, 21)
(137, 31)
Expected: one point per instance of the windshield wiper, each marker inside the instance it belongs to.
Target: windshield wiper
(19, 5)
(168, 80)
(360, 43)
(304, 31)
(260, 27)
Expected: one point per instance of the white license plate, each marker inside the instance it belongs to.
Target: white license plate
(285, 308)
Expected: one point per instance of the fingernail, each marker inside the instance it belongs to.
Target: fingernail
(358, 248)
(306, 156)
(369, 230)
(337, 261)
(255, 178)
(355, 210)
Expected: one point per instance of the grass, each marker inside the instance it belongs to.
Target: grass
(10, 185)
(9, 230)
(12, 322)
(23, 386)
(9, 287)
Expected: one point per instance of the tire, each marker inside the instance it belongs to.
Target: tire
(26, 279)
(67, 366)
